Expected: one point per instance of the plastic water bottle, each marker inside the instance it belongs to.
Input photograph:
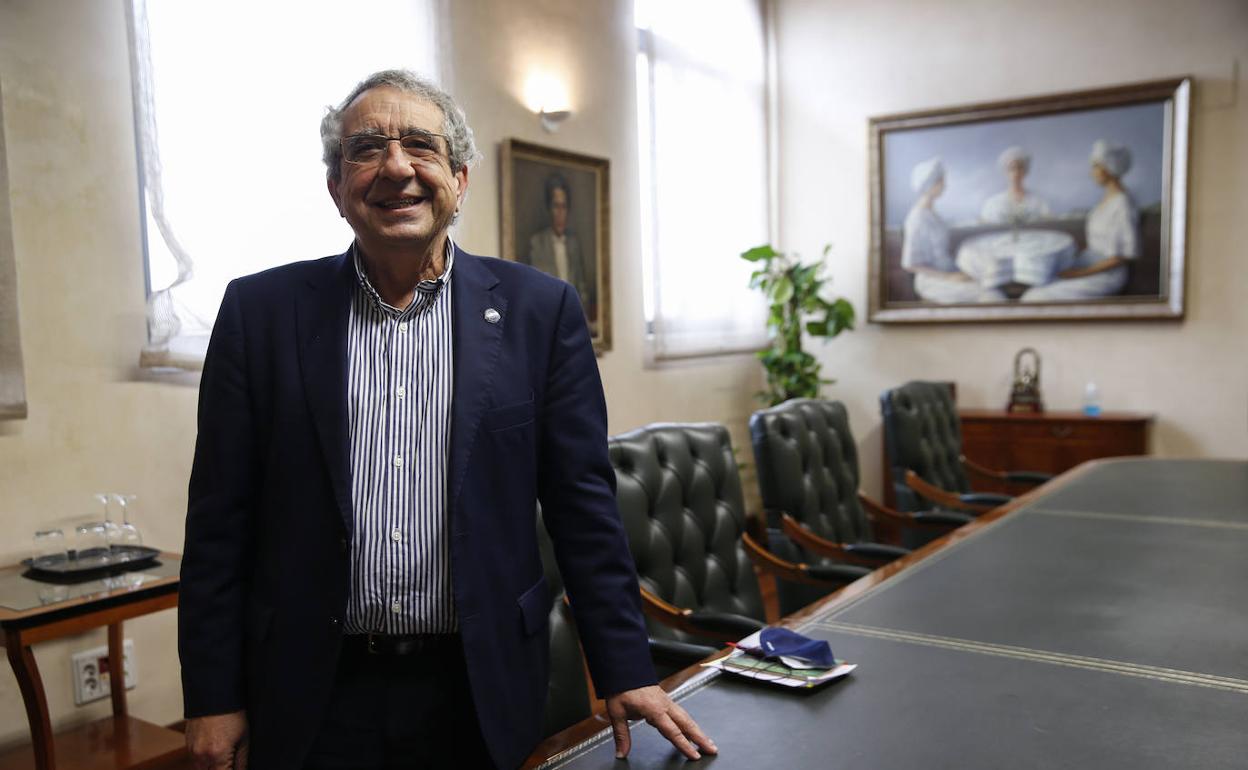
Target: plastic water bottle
(1091, 400)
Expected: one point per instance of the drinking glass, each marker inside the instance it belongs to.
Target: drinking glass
(49, 547)
(91, 544)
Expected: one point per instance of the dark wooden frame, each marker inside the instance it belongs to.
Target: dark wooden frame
(514, 149)
(1175, 94)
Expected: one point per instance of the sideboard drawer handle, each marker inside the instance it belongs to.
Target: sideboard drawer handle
(1062, 431)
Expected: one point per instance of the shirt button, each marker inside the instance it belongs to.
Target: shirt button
(400, 391)
(398, 461)
(395, 607)
(403, 328)
(396, 535)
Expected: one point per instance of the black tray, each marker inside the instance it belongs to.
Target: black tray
(90, 564)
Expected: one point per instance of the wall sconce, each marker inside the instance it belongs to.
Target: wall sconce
(548, 97)
(551, 119)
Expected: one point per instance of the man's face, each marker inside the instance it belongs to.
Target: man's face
(398, 200)
(559, 210)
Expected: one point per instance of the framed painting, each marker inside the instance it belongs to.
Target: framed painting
(12, 375)
(557, 217)
(1069, 206)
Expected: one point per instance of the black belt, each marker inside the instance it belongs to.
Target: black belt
(399, 644)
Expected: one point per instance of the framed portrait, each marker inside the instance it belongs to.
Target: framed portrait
(1069, 206)
(12, 376)
(557, 217)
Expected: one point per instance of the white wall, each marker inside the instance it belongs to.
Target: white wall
(841, 63)
(95, 425)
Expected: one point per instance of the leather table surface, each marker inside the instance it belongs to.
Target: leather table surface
(1076, 631)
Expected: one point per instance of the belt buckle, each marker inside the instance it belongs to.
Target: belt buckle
(372, 645)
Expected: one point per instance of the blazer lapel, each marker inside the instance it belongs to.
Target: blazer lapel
(321, 320)
(476, 347)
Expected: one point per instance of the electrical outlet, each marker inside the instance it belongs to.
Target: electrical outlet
(92, 679)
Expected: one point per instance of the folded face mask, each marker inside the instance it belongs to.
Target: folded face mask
(792, 647)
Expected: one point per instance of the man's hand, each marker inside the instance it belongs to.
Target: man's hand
(218, 742)
(653, 705)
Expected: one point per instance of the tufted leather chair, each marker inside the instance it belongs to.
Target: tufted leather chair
(808, 474)
(680, 499)
(923, 438)
(567, 699)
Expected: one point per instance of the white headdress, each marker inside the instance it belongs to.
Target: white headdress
(1114, 158)
(926, 174)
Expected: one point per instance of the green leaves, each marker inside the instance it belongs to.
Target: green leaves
(794, 293)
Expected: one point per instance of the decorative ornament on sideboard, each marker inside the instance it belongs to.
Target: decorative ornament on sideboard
(1025, 393)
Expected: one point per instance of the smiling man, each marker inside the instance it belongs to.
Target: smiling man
(361, 582)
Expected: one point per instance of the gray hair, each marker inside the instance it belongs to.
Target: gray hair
(463, 150)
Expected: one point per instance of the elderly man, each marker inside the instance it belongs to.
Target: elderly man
(361, 585)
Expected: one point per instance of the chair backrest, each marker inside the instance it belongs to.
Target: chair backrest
(922, 433)
(567, 697)
(808, 467)
(680, 497)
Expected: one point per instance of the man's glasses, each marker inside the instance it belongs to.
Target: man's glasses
(369, 149)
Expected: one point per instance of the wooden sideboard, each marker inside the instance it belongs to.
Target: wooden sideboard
(1051, 442)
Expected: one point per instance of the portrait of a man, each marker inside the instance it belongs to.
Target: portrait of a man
(555, 218)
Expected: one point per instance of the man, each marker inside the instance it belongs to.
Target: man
(361, 585)
(556, 249)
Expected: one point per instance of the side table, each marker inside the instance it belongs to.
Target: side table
(33, 612)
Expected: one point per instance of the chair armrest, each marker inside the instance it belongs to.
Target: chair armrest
(1020, 477)
(944, 519)
(944, 498)
(877, 551)
(990, 499)
(1028, 477)
(725, 624)
(941, 521)
(673, 653)
(838, 573)
(818, 575)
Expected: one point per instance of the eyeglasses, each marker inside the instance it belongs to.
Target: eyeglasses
(368, 149)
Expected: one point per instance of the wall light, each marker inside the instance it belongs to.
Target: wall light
(548, 97)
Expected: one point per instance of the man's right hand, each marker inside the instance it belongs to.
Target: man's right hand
(218, 742)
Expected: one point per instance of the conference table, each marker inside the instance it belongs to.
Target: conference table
(1099, 621)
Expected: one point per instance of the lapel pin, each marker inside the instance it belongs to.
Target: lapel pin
(492, 316)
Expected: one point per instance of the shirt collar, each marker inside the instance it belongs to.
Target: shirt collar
(426, 291)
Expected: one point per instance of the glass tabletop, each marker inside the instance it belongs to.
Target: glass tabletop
(19, 593)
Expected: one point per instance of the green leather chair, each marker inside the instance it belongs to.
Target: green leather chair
(923, 440)
(681, 502)
(567, 698)
(808, 475)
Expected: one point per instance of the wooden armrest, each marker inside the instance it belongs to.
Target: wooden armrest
(878, 512)
(941, 497)
(768, 562)
(678, 618)
(982, 470)
(812, 542)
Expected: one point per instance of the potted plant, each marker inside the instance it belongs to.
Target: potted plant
(793, 291)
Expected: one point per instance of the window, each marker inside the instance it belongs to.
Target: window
(228, 102)
(702, 127)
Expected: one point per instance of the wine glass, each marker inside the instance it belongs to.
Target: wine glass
(129, 538)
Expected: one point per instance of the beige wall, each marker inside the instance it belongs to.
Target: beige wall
(840, 63)
(94, 425)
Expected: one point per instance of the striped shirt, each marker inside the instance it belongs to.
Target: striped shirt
(399, 379)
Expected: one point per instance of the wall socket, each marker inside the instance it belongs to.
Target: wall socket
(92, 679)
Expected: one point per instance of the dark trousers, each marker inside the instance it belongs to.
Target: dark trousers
(400, 711)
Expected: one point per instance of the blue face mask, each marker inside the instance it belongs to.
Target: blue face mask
(776, 642)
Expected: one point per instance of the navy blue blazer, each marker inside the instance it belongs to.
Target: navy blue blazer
(265, 566)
